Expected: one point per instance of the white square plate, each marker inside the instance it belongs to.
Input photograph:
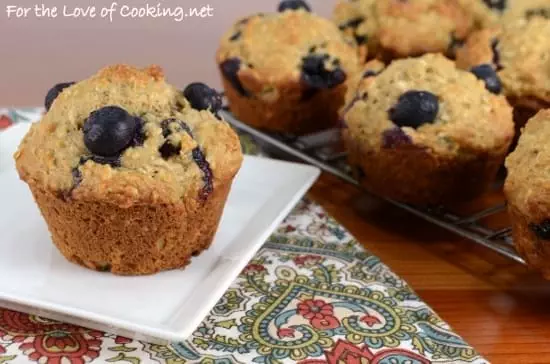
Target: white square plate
(168, 306)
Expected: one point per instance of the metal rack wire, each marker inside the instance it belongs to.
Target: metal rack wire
(320, 149)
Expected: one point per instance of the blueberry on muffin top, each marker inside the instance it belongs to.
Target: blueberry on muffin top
(54, 92)
(126, 136)
(487, 73)
(109, 130)
(541, 230)
(414, 108)
(496, 4)
(293, 46)
(293, 5)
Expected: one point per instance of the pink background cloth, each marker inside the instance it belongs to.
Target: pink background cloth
(38, 52)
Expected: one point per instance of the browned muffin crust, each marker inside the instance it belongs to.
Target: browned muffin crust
(143, 210)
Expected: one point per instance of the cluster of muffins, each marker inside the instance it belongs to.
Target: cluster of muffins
(429, 95)
(130, 173)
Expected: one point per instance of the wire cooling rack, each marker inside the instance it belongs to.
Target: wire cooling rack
(484, 222)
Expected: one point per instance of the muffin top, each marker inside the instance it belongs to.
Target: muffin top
(429, 103)
(126, 136)
(406, 28)
(264, 53)
(528, 178)
(525, 10)
(358, 19)
(519, 52)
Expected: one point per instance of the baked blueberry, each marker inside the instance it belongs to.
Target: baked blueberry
(360, 39)
(109, 130)
(230, 69)
(77, 179)
(316, 75)
(54, 92)
(454, 45)
(353, 23)
(203, 97)
(236, 36)
(139, 136)
(204, 166)
(415, 108)
(179, 126)
(370, 73)
(496, 54)
(243, 21)
(168, 149)
(293, 5)
(395, 137)
(542, 12)
(542, 230)
(496, 4)
(486, 73)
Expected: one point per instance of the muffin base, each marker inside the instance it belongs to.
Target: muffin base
(535, 251)
(411, 174)
(290, 113)
(143, 239)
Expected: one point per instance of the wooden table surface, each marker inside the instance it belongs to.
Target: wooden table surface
(495, 304)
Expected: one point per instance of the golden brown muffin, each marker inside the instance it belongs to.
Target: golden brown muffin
(286, 72)
(519, 54)
(422, 131)
(130, 175)
(527, 190)
(397, 29)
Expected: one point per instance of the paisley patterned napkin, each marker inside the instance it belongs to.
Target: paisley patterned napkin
(311, 295)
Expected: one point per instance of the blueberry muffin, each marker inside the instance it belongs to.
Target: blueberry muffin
(423, 132)
(515, 60)
(397, 29)
(287, 71)
(527, 191)
(130, 173)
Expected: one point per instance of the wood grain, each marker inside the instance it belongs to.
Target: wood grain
(495, 304)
